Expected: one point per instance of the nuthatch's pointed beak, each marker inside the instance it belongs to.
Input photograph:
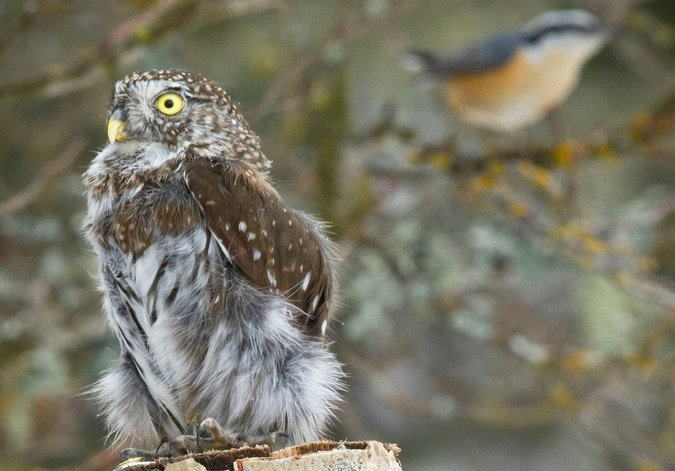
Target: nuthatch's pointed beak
(116, 124)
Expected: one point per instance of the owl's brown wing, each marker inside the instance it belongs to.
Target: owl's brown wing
(273, 247)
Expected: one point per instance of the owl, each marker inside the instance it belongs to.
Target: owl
(218, 292)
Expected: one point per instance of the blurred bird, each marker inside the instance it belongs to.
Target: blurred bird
(515, 78)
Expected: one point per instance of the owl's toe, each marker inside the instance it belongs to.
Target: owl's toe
(181, 445)
(211, 435)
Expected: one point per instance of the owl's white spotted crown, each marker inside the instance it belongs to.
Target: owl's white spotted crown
(200, 86)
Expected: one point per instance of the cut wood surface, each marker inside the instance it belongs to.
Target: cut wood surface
(374, 457)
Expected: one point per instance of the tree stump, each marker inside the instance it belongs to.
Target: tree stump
(313, 456)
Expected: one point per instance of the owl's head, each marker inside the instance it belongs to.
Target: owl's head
(178, 109)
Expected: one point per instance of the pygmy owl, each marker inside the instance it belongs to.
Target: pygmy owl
(218, 292)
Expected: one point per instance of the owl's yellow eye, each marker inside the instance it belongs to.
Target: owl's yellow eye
(169, 103)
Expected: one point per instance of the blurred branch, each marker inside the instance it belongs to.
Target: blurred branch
(348, 29)
(30, 11)
(646, 132)
(581, 243)
(26, 196)
(149, 25)
(531, 185)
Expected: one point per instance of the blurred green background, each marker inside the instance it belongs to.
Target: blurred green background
(507, 300)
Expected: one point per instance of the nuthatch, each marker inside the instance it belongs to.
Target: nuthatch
(515, 78)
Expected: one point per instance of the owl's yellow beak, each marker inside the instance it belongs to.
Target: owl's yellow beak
(116, 125)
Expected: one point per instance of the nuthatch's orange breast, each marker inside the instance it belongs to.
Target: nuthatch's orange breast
(517, 93)
(488, 88)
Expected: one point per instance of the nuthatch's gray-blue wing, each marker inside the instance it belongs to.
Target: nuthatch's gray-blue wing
(513, 79)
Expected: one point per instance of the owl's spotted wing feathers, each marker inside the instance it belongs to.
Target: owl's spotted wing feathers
(270, 245)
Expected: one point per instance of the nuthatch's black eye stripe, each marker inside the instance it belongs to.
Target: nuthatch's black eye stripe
(560, 29)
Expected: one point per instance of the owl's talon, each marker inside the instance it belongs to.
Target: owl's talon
(212, 436)
(182, 444)
(280, 434)
(271, 439)
(161, 442)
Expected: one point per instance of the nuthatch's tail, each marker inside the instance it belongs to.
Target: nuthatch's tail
(423, 62)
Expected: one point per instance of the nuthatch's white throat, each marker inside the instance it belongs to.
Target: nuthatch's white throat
(514, 79)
